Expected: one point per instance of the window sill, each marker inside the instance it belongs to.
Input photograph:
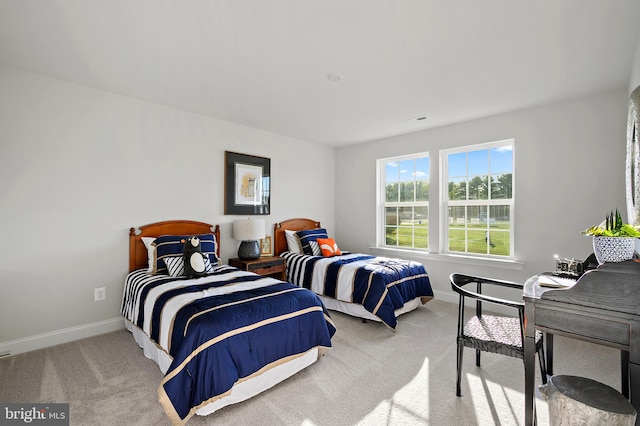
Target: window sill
(451, 258)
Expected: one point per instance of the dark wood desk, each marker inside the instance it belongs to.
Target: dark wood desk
(603, 307)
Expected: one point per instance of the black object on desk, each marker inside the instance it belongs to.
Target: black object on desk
(602, 307)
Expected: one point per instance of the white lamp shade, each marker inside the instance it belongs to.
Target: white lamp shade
(248, 229)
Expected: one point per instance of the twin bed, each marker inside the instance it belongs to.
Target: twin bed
(369, 287)
(225, 337)
(221, 338)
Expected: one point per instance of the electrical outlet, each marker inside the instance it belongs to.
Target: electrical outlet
(100, 293)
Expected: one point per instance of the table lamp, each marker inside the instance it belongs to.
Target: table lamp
(249, 231)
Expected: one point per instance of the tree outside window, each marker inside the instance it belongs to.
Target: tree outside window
(406, 201)
(479, 199)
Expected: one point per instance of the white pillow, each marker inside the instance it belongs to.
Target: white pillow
(293, 243)
(151, 252)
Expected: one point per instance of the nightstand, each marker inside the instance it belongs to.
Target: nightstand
(266, 266)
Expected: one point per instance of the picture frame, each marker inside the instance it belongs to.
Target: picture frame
(247, 184)
(265, 246)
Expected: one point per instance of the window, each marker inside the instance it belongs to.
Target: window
(477, 199)
(404, 210)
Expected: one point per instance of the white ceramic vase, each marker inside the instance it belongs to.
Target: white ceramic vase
(613, 249)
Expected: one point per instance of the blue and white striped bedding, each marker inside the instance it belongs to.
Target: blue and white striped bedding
(221, 329)
(381, 285)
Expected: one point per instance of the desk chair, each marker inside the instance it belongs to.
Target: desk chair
(491, 333)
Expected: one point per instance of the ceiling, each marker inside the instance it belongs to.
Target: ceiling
(266, 63)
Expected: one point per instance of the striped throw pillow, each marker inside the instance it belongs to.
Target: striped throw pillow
(175, 265)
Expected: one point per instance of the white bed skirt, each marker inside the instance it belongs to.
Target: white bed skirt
(241, 391)
(359, 311)
(149, 348)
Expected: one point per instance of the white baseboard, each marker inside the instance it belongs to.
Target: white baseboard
(446, 296)
(453, 297)
(65, 335)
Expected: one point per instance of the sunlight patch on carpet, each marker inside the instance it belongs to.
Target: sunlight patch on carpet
(409, 405)
(493, 402)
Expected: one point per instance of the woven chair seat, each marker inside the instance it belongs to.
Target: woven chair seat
(495, 334)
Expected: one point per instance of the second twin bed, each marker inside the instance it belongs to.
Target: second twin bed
(365, 286)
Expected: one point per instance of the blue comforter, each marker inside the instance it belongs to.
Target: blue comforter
(381, 285)
(222, 329)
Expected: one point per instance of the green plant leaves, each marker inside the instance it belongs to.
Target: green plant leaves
(613, 227)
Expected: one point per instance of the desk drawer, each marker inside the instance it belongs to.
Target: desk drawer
(591, 328)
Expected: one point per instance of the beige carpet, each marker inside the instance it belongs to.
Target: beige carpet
(372, 376)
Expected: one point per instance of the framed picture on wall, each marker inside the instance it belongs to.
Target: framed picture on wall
(247, 184)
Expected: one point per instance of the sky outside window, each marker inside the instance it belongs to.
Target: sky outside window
(482, 162)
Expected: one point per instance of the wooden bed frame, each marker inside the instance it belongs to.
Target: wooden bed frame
(138, 252)
(298, 224)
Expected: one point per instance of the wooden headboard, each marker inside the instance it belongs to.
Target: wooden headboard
(279, 239)
(138, 252)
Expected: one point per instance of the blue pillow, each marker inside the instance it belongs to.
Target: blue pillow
(307, 236)
(173, 245)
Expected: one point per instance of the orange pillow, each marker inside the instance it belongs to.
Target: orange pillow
(328, 247)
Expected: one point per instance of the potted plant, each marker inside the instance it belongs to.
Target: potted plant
(613, 240)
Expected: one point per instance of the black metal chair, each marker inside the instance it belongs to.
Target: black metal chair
(491, 333)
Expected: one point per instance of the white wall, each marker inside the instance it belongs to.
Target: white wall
(569, 172)
(79, 167)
